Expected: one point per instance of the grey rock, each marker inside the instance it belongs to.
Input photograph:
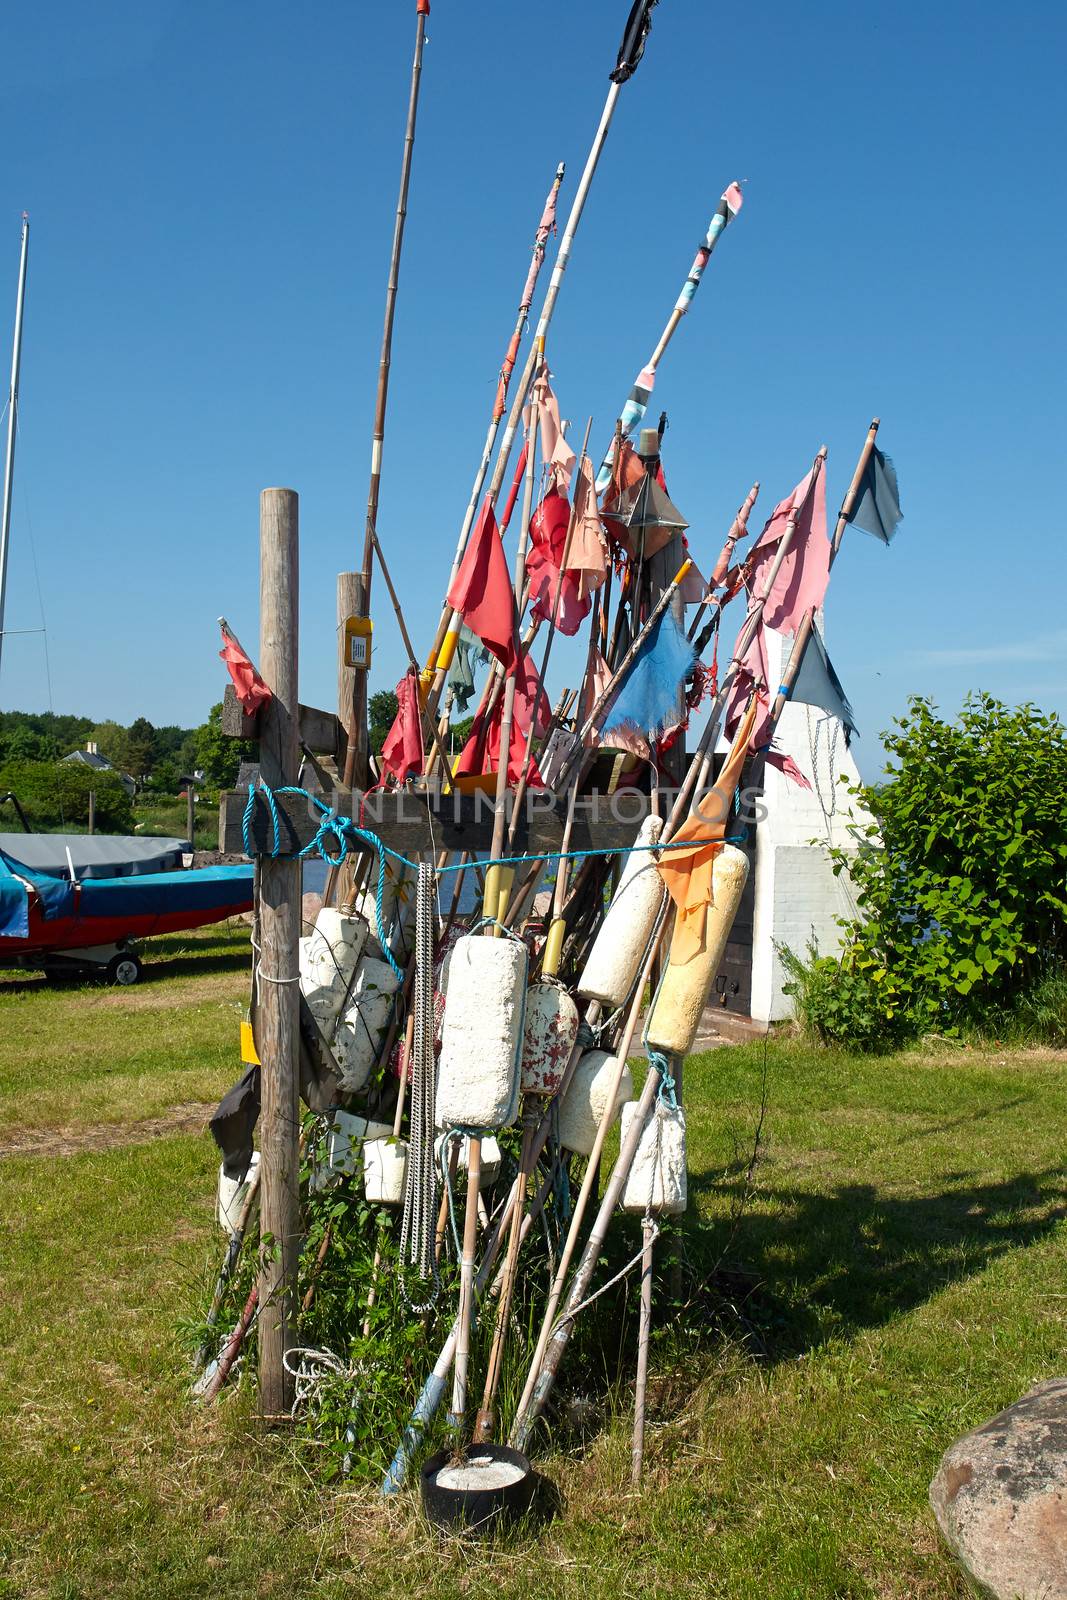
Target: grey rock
(1000, 1498)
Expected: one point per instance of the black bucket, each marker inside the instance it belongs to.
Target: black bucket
(478, 1508)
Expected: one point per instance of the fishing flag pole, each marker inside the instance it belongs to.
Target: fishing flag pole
(631, 50)
(357, 747)
(544, 228)
(637, 401)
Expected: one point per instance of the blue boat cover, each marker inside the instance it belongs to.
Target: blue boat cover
(56, 897)
(157, 893)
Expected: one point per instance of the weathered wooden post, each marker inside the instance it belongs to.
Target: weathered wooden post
(190, 814)
(351, 602)
(277, 1013)
(92, 810)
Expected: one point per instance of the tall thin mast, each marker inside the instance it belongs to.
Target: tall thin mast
(12, 421)
(358, 745)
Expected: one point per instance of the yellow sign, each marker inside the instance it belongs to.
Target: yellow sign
(358, 632)
(248, 1046)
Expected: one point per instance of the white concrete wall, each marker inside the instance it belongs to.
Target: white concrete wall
(797, 896)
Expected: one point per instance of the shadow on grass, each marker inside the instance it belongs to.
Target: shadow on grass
(807, 1265)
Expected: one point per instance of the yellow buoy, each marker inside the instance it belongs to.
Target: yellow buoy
(684, 991)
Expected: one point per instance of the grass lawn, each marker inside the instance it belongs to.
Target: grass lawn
(897, 1274)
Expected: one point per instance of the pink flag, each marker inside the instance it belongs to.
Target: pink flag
(752, 674)
(589, 550)
(252, 692)
(555, 451)
(402, 752)
(482, 592)
(801, 584)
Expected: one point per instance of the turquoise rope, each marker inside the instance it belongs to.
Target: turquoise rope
(343, 827)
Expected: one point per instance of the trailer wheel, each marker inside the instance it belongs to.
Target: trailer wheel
(125, 968)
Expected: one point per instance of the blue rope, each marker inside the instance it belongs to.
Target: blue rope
(665, 1094)
(343, 828)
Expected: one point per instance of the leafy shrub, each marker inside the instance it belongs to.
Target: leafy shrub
(962, 884)
(839, 1006)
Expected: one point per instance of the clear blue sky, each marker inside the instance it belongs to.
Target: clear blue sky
(211, 192)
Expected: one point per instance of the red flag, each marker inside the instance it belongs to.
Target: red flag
(548, 538)
(402, 753)
(801, 584)
(252, 692)
(481, 753)
(482, 592)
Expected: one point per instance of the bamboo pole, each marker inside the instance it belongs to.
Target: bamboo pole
(356, 759)
(229, 1262)
(277, 1013)
(638, 398)
(589, 1179)
(484, 1422)
(466, 1288)
(738, 530)
(545, 226)
(648, 1235)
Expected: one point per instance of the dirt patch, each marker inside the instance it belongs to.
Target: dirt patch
(190, 1117)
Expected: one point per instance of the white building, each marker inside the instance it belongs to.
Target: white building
(793, 897)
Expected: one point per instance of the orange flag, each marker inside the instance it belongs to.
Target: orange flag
(687, 873)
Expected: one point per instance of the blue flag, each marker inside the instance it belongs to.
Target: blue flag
(877, 508)
(648, 698)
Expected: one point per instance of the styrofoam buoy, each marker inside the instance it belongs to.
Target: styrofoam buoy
(478, 1073)
(385, 1165)
(619, 946)
(657, 1180)
(398, 897)
(588, 1093)
(548, 1039)
(359, 1033)
(231, 1196)
(328, 958)
(683, 993)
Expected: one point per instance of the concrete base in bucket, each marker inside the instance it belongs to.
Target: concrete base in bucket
(491, 1485)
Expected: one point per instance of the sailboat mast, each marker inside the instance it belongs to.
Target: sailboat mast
(12, 422)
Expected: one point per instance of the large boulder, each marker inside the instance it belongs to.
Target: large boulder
(1000, 1498)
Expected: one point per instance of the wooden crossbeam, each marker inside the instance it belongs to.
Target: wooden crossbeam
(406, 823)
(320, 731)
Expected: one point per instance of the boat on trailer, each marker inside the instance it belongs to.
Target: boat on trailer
(76, 902)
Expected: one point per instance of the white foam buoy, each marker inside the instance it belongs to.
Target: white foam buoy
(358, 1036)
(657, 1179)
(398, 897)
(587, 1096)
(491, 1158)
(478, 1072)
(684, 989)
(328, 958)
(385, 1165)
(618, 949)
(548, 1040)
(231, 1196)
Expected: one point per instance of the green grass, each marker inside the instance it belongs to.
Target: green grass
(896, 1274)
(168, 817)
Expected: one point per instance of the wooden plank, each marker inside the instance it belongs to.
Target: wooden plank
(457, 822)
(320, 731)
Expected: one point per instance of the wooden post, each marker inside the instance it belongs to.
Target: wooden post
(190, 814)
(92, 810)
(340, 881)
(277, 1014)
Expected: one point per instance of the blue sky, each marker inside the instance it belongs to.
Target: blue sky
(211, 192)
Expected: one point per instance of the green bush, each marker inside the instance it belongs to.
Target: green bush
(961, 883)
(837, 1006)
(55, 795)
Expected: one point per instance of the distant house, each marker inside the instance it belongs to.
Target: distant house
(91, 757)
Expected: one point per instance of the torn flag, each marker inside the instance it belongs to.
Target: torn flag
(482, 592)
(481, 753)
(801, 582)
(402, 753)
(877, 508)
(544, 560)
(648, 698)
(687, 873)
(555, 451)
(817, 684)
(251, 690)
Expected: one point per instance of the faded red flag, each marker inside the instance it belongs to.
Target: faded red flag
(482, 592)
(402, 753)
(801, 584)
(481, 753)
(252, 692)
(548, 539)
